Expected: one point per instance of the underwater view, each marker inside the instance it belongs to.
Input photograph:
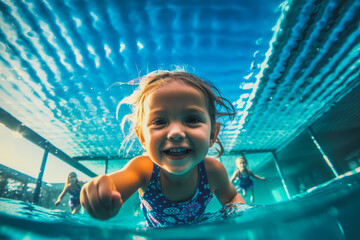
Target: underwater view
(81, 133)
(329, 211)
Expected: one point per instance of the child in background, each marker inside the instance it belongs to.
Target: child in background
(73, 187)
(174, 117)
(244, 174)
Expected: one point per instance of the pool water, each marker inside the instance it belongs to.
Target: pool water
(330, 211)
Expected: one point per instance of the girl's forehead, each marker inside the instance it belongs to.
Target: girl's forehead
(171, 82)
(174, 88)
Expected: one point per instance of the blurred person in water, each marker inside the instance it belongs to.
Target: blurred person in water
(73, 187)
(243, 174)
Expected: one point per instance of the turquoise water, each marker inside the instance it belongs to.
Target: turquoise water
(330, 211)
(315, 37)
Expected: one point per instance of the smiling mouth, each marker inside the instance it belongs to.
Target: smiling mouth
(176, 152)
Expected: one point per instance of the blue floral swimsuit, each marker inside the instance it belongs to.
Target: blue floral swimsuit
(245, 182)
(161, 212)
(74, 200)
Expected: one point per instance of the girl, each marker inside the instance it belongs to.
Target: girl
(244, 174)
(72, 186)
(174, 118)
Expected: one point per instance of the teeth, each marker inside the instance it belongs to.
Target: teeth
(177, 150)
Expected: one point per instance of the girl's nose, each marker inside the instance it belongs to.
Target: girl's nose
(176, 132)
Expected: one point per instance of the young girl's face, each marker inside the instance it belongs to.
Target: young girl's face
(72, 179)
(241, 163)
(176, 131)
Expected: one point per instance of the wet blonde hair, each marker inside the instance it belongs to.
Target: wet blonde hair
(154, 80)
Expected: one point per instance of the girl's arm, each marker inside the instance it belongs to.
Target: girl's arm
(62, 195)
(104, 195)
(235, 175)
(256, 176)
(220, 184)
(136, 174)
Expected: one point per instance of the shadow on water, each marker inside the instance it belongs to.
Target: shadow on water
(329, 211)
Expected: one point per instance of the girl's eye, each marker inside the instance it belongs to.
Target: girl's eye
(193, 120)
(159, 122)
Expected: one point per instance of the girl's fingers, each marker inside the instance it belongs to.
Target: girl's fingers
(89, 198)
(100, 210)
(85, 201)
(116, 202)
(105, 188)
(99, 199)
(109, 197)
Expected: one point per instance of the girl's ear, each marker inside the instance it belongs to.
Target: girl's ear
(214, 134)
(140, 136)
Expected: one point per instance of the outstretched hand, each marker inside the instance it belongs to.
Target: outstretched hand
(100, 198)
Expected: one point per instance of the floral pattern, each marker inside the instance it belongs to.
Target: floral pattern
(161, 212)
(191, 209)
(171, 210)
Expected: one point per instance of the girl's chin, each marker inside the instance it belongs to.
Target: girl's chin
(176, 170)
(180, 169)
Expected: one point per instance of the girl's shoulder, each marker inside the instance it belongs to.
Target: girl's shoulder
(67, 187)
(212, 165)
(142, 166)
(134, 175)
(215, 171)
(140, 163)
